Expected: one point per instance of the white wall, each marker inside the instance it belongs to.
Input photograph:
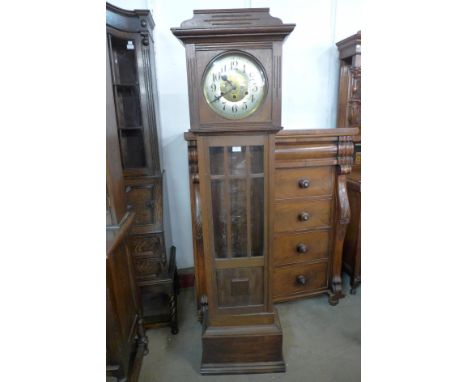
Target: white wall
(310, 74)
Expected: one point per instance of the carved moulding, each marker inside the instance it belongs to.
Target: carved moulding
(343, 213)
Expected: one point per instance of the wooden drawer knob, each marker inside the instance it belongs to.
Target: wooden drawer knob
(304, 183)
(301, 248)
(301, 279)
(303, 216)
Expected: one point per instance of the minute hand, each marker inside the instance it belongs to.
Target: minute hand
(223, 94)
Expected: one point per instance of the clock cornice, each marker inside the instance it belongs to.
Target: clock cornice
(241, 24)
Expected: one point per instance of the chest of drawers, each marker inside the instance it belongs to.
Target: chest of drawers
(311, 212)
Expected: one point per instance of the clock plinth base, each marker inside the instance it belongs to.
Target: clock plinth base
(243, 349)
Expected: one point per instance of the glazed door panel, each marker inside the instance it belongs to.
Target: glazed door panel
(128, 86)
(234, 180)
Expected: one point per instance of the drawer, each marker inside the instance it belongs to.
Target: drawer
(300, 278)
(301, 182)
(302, 247)
(297, 215)
(144, 197)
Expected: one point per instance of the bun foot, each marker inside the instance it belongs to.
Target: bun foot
(333, 300)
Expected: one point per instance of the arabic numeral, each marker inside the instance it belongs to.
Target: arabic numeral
(234, 109)
(255, 88)
(252, 98)
(234, 64)
(244, 106)
(213, 87)
(224, 105)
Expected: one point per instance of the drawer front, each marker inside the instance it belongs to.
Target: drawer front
(300, 278)
(148, 255)
(302, 215)
(301, 182)
(145, 199)
(299, 248)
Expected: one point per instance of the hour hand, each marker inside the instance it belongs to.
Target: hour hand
(224, 78)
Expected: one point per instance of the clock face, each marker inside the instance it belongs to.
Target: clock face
(234, 85)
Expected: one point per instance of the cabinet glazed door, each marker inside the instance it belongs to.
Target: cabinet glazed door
(134, 136)
(234, 177)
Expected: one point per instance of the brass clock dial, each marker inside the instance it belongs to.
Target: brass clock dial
(234, 85)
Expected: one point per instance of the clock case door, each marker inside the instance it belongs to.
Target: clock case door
(235, 183)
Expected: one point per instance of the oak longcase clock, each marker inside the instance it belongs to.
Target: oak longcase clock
(234, 81)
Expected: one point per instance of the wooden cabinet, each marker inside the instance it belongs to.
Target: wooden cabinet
(125, 337)
(132, 101)
(234, 77)
(349, 115)
(311, 212)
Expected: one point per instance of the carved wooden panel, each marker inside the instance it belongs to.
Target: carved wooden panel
(148, 245)
(147, 267)
(144, 197)
(149, 255)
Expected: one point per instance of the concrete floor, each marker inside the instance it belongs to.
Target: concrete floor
(321, 343)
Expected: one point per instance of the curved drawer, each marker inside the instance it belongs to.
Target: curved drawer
(301, 182)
